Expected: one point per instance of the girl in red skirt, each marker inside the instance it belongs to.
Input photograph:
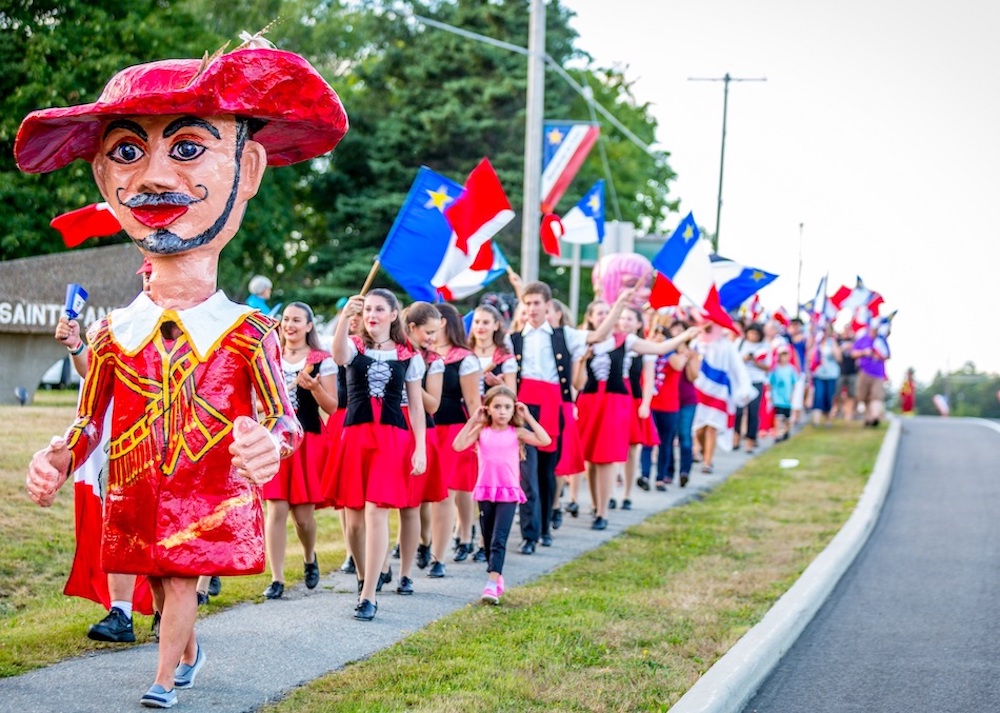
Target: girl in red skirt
(596, 312)
(459, 398)
(311, 380)
(642, 383)
(571, 463)
(422, 322)
(375, 466)
(605, 408)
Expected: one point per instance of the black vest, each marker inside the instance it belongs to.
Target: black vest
(341, 388)
(564, 364)
(635, 377)
(616, 382)
(452, 408)
(308, 410)
(359, 407)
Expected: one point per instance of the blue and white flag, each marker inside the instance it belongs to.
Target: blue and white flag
(565, 145)
(473, 280)
(584, 223)
(737, 283)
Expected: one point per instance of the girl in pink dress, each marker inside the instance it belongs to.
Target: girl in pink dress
(498, 428)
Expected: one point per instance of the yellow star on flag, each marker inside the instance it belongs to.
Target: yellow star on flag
(555, 137)
(688, 233)
(757, 276)
(594, 203)
(438, 199)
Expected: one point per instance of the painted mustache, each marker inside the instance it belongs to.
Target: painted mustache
(158, 210)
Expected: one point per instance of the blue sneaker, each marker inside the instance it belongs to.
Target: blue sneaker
(185, 673)
(158, 697)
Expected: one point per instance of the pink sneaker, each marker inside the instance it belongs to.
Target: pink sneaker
(500, 586)
(490, 593)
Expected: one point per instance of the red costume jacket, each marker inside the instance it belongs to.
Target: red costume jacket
(175, 505)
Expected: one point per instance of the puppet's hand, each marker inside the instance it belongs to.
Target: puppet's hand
(47, 471)
(256, 454)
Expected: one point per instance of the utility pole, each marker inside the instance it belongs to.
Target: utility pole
(726, 79)
(531, 211)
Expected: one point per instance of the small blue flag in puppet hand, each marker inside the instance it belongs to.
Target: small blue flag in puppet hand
(76, 298)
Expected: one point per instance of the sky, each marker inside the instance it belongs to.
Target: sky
(876, 131)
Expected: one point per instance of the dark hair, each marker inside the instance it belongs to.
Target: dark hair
(396, 332)
(420, 313)
(498, 334)
(454, 328)
(564, 316)
(312, 340)
(501, 390)
(537, 288)
(754, 327)
(638, 313)
(587, 323)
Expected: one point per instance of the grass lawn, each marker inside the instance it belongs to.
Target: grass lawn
(629, 626)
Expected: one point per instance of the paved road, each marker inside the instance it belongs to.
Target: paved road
(257, 652)
(914, 625)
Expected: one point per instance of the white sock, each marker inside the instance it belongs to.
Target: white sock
(124, 606)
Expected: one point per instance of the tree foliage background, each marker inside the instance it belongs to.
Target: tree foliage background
(969, 393)
(415, 96)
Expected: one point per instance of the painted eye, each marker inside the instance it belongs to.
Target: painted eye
(125, 153)
(186, 150)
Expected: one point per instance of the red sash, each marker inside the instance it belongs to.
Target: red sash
(548, 398)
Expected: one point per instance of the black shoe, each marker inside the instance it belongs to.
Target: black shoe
(115, 627)
(546, 540)
(573, 509)
(383, 578)
(455, 544)
(423, 556)
(643, 483)
(436, 571)
(527, 548)
(612, 504)
(365, 610)
(556, 519)
(395, 552)
(214, 586)
(274, 591)
(626, 504)
(684, 480)
(661, 487)
(463, 552)
(480, 555)
(349, 567)
(203, 599)
(405, 586)
(600, 524)
(155, 628)
(311, 570)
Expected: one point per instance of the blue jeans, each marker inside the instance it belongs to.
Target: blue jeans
(686, 437)
(666, 428)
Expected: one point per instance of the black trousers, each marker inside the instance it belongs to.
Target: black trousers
(538, 481)
(495, 521)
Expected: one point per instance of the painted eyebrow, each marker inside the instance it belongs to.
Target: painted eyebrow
(127, 125)
(177, 124)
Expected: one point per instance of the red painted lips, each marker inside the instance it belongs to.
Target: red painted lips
(159, 216)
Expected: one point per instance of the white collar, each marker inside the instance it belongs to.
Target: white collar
(205, 324)
(528, 329)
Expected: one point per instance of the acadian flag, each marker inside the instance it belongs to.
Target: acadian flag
(584, 223)
(92, 221)
(565, 145)
(685, 269)
(858, 296)
(473, 280)
(737, 283)
(444, 229)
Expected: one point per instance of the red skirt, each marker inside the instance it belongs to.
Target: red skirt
(373, 466)
(459, 470)
(548, 398)
(299, 478)
(605, 420)
(643, 430)
(571, 459)
(429, 487)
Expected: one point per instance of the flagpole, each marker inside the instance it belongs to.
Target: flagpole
(574, 282)
(798, 286)
(371, 277)
(531, 210)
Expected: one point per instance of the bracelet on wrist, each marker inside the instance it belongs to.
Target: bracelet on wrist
(76, 351)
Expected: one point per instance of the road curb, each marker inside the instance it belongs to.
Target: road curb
(734, 679)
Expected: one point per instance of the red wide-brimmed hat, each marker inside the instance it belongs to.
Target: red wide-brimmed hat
(304, 115)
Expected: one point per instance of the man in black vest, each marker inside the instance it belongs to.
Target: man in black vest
(545, 358)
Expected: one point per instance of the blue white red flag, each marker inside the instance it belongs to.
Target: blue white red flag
(737, 283)
(473, 280)
(723, 384)
(444, 229)
(851, 298)
(584, 223)
(565, 145)
(684, 263)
